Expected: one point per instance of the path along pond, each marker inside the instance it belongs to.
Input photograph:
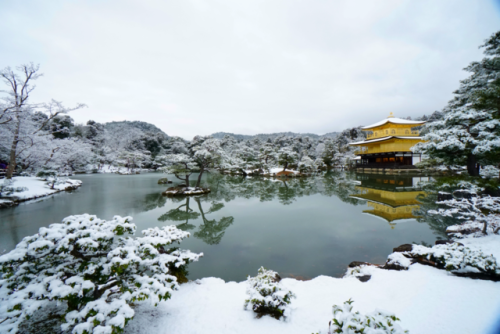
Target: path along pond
(302, 227)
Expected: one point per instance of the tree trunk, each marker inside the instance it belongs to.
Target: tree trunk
(199, 178)
(472, 165)
(187, 180)
(13, 149)
(485, 227)
(286, 165)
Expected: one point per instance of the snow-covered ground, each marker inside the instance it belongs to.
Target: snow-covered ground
(35, 188)
(120, 170)
(427, 300)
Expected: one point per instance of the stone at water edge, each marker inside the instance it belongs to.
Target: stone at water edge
(355, 264)
(364, 278)
(403, 248)
(185, 191)
(164, 180)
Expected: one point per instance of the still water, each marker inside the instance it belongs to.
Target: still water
(301, 227)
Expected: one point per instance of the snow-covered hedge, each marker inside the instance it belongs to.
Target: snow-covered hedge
(349, 322)
(398, 261)
(489, 171)
(472, 208)
(267, 295)
(87, 264)
(457, 257)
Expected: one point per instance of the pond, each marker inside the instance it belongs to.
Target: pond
(301, 227)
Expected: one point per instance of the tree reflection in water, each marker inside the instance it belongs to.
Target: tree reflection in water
(226, 188)
(181, 213)
(212, 231)
(348, 187)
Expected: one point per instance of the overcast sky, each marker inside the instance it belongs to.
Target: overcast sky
(199, 67)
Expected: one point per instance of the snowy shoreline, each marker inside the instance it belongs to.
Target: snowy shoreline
(426, 299)
(35, 188)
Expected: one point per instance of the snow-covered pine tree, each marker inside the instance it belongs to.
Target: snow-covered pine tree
(181, 165)
(469, 131)
(207, 154)
(286, 157)
(90, 267)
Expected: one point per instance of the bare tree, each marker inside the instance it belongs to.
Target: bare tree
(17, 108)
(16, 102)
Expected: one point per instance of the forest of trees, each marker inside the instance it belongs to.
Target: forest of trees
(42, 136)
(38, 137)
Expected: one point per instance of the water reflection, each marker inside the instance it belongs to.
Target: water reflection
(286, 191)
(227, 188)
(299, 227)
(393, 198)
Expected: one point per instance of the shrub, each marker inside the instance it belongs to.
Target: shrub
(87, 264)
(267, 295)
(472, 208)
(349, 322)
(456, 256)
(46, 173)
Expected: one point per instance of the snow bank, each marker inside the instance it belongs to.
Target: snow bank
(427, 300)
(120, 170)
(489, 244)
(37, 187)
(181, 191)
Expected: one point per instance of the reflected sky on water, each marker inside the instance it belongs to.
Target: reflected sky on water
(301, 227)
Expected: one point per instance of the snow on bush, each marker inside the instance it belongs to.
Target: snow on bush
(7, 188)
(489, 171)
(88, 265)
(398, 260)
(457, 257)
(473, 208)
(349, 322)
(473, 229)
(267, 295)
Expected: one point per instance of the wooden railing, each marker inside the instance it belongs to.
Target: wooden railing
(393, 132)
(388, 165)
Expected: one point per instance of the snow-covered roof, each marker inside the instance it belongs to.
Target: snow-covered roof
(382, 139)
(393, 120)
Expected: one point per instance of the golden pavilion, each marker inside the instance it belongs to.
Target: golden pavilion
(392, 198)
(388, 144)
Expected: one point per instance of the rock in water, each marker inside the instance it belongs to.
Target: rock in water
(164, 180)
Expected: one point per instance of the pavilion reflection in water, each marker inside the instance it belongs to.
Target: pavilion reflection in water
(390, 197)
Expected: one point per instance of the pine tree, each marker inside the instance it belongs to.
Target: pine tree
(469, 131)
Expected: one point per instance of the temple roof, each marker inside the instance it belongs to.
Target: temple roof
(393, 120)
(382, 139)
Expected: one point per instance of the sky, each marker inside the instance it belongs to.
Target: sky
(195, 67)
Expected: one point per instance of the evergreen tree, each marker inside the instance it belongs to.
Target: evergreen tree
(469, 131)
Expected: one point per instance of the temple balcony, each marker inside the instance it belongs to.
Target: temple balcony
(403, 146)
(393, 132)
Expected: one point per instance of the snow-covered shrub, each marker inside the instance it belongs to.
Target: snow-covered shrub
(267, 295)
(489, 171)
(46, 173)
(8, 190)
(457, 257)
(472, 208)
(349, 322)
(397, 261)
(87, 264)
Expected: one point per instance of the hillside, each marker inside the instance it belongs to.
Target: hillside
(143, 126)
(265, 136)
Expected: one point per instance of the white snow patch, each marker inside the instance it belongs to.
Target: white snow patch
(427, 300)
(38, 187)
(393, 120)
(489, 245)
